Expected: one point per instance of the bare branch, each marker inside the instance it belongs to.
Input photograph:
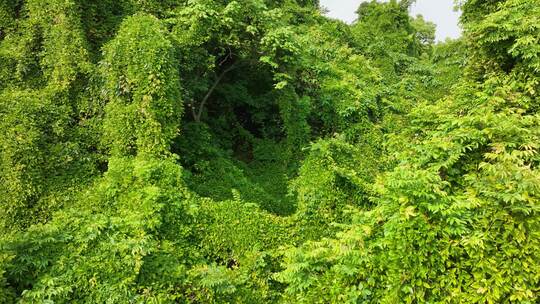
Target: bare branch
(211, 90)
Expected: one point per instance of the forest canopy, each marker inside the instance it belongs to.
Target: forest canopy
(257, 151)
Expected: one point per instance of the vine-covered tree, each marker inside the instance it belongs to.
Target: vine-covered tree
(259, 152)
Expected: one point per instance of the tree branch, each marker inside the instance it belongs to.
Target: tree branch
(212, 89)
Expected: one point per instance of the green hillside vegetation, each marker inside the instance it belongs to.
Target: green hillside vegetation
(256, 151)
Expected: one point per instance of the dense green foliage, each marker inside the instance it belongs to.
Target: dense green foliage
(256, 151)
